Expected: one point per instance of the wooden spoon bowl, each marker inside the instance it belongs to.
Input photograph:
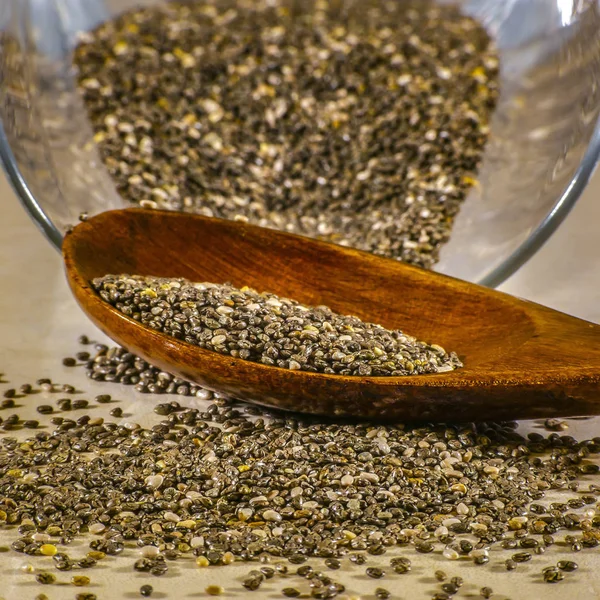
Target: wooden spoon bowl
(522, 360)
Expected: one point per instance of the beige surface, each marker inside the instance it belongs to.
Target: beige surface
(40, 323)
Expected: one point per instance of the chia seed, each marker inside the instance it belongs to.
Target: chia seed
(567, 565)
(375, 572)
(45, 578)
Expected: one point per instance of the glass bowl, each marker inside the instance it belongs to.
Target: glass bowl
(544, 145)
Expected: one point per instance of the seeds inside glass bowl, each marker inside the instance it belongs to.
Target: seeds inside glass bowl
(360, 123)
(268, 329)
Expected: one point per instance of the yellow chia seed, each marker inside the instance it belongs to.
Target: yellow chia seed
(48, 549)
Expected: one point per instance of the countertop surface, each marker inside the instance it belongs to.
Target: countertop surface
(40, 324)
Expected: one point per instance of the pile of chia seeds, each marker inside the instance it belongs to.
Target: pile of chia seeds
(223, 482)
(359, 123)
(274, 331)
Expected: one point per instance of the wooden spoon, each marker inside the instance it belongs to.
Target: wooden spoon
(522, 360)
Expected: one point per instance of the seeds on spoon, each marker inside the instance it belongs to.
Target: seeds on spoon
(268, 329)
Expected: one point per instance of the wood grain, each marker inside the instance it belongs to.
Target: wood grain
(522, 360)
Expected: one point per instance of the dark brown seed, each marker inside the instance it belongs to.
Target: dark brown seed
(10, 393)
(268, 572)
(45, 409)
(521, 557)
(567, 565)
(45, 578)
(69, 362)
(375, 572)
(553, 576)
(290, 592)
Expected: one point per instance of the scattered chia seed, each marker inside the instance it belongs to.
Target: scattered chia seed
(381, 113)
(450, 588)
(45, 578)
(253, 580)
(375, 572)
(268, 572)
(267, 329)
(521, 557)
(486, 592)
(146, 590)
(555, 425)
(424, 547)
(567, 565)
(382, 594)
(290, 592)
(69, 362)
(214, 590)
(553, 575)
